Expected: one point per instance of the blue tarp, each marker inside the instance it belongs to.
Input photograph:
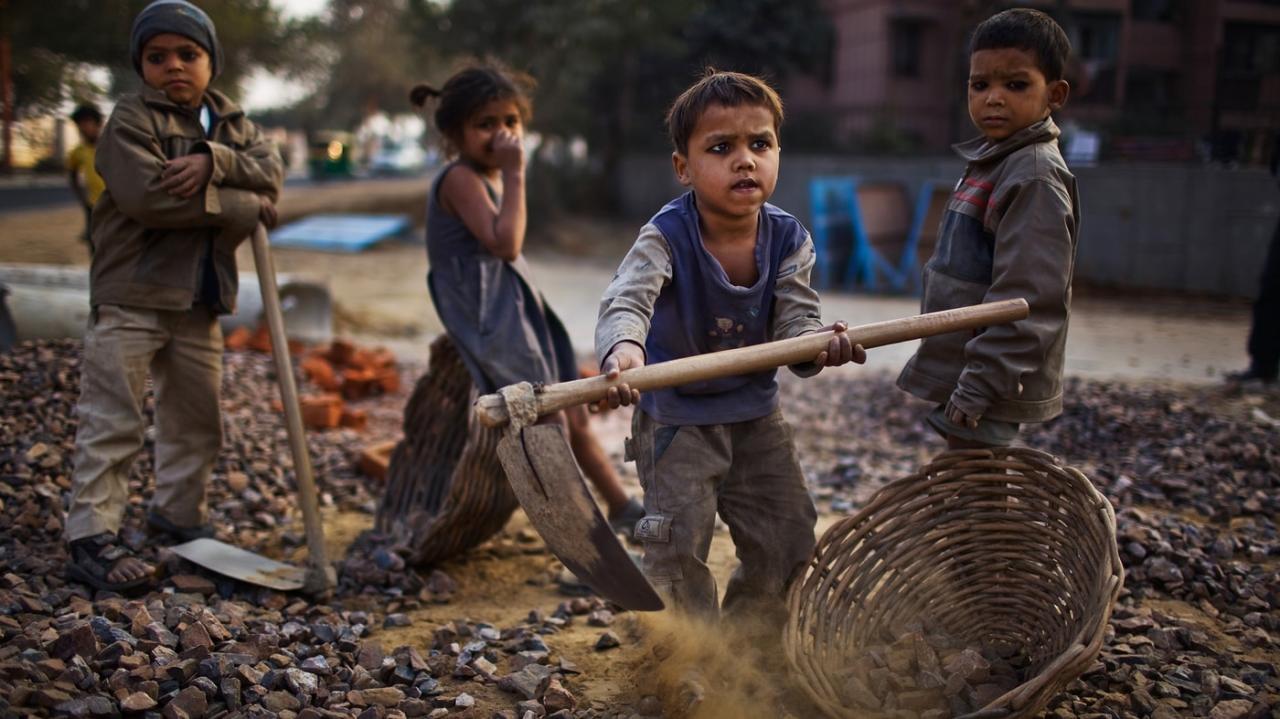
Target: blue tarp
(339, 233)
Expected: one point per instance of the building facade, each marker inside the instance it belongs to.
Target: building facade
(1157, 79)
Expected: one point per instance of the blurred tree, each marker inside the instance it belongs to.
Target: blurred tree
(55, 44)
(372, 59)
(607, 69)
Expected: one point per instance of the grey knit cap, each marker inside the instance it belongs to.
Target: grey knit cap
(180, 18)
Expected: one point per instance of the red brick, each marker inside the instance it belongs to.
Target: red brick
(238, 340)
(320, 372)
(354, 418)
(375, 459)
(321, 411)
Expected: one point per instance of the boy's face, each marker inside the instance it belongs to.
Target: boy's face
(732, 161)
(89, 129)
(1008, 91)
(177, 66)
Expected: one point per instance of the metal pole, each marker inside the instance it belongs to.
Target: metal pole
(321, 576)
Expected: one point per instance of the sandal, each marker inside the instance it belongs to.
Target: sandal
(93, 558)
(185, 534)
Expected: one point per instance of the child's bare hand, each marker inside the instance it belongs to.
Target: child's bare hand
(267, 212)
(508, 150)
(187, 175)
(957, 416)
(840, 350)
(624, 356)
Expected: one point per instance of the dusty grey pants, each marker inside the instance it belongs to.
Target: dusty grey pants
(749, 473)
(183, 350)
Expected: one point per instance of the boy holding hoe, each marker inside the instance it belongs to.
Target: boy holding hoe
(715, 269)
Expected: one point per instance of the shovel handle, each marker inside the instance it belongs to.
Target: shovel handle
(491, 409)
(320, 575)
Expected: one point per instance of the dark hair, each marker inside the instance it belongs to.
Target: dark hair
(86, 112)
(471, 89)
(1025, 29)
(730, 89)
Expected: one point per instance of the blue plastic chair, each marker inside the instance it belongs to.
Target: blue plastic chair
(835, 204)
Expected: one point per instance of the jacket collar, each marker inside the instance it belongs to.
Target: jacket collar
(979, 149)
(220, 104)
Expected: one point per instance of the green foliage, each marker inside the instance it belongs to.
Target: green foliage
(56, 41)
(371, 60)
(608, 69)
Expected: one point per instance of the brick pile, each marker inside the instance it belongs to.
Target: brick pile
(342, 371)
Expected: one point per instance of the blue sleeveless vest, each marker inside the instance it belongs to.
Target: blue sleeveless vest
(700, 311)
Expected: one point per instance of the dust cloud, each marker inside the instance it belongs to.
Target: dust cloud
(700, 670)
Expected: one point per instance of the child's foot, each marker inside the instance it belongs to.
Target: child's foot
(624, 519)
(182, 534)
(103, 562)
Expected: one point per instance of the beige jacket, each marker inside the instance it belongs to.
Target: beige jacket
(1009, 231)
(150, 247)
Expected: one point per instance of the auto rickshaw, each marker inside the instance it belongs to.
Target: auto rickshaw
(330, 155)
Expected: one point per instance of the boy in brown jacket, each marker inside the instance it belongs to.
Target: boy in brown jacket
(188, 177)
(1008, 231)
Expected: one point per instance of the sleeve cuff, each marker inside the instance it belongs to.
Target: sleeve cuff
(617, 340)
(969, 402)
(222, 156)
(212, 201)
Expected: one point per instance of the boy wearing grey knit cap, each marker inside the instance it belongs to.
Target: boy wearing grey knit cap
(188, 177)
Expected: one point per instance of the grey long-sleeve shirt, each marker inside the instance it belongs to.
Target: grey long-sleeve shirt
(627, 305)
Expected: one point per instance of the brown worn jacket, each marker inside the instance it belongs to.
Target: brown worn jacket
(150, 247)
(1009, 231)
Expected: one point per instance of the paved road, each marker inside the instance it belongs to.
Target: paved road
(52, 191)
(26, 198)
(1175, 339)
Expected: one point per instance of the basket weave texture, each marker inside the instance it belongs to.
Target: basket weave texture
(986, 546)
(446, 490)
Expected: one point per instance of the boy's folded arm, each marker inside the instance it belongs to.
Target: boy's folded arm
(238, 211)
(130, 160)
(627, 306)
(1034, 253)
(258, 167)
(797, 309)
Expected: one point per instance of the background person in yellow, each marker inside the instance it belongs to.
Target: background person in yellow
(84, 178)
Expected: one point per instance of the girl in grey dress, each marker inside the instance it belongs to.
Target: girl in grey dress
(479, 280)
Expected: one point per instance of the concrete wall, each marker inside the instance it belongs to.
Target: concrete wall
(1187, 228)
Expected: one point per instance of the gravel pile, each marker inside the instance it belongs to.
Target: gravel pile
(205, 646)
(1194, 635)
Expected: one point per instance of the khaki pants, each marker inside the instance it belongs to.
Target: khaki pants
(183, 350)
(748, 473)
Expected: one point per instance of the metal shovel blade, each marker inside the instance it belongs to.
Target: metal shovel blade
(241, 564)
(547, 481)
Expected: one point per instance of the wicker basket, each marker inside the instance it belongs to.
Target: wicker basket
(1003, 546)
(446, 489)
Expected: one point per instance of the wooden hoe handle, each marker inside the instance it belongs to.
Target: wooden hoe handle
(491, 409)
